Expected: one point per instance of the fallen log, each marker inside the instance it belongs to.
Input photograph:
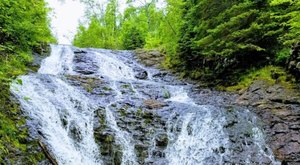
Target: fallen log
(47, 153)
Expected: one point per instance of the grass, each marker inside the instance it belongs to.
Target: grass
(270, 74)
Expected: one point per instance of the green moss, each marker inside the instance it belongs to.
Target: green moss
(14, 144)
(196, 74)
(126, 86)
(270, 74)
(147, 121)
(109, 139)
(107, 89)
(282, 55)
(13, 135)
(139, 112)
(167, 94)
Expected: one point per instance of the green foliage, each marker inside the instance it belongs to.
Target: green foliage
(282, 55)
(203, 39)
(23, 24)
(223, 38)
(93, 36)
(289, 11)
(265, 73)
(133, 39)
(23, 27)
(145, 26)
(102, 31)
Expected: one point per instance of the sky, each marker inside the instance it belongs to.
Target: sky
(66, 15)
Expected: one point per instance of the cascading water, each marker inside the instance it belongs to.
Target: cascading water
(93, 106)
(64, 116)
(60, 61)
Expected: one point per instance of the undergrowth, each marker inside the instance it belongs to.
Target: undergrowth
(270, 74)
(15, 144)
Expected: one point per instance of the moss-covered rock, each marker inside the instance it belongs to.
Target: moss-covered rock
(150, 57)
(16, 145)
(88, 83)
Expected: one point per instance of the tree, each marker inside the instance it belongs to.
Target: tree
(23, 23)
(103, 30)
(146, 6)
(133, 39)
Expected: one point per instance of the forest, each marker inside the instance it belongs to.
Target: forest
(221, 44)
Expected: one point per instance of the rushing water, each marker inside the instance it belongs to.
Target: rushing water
(93, 106)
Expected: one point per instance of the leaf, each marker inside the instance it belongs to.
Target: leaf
(19, 81)
(27, 98)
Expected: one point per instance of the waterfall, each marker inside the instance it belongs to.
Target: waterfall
(59, 62)
(88, 106)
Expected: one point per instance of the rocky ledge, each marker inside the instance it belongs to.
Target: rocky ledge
(279, 108)
(276, 105)
(149, 57)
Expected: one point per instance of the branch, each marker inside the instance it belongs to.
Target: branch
(47, 153)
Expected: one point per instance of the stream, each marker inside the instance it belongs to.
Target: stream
(96, 106)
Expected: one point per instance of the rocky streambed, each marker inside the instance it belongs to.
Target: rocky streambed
(94, 106)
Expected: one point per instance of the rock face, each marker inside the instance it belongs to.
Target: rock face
(279, 108)
(154, 118)
(84, 63)
(293, 64)
(150, 58)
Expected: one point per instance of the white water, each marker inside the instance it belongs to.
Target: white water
(197, 140)
(200, 135)
(64, 115)
(115, 70)
(59, 62)
(72, 139)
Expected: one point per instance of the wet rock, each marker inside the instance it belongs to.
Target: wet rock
(141, 75)
(86, 69)
(158, 153)
(79, 51)
(161, 140)
(88, 83)
(160, 74)
(84, 64)
(279, 109)
(75, 132)
(292, 147)
(141, 151)
(153, 104)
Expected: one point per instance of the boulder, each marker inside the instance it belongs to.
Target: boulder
(153, 104)
(140, 74)
(150, 57)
